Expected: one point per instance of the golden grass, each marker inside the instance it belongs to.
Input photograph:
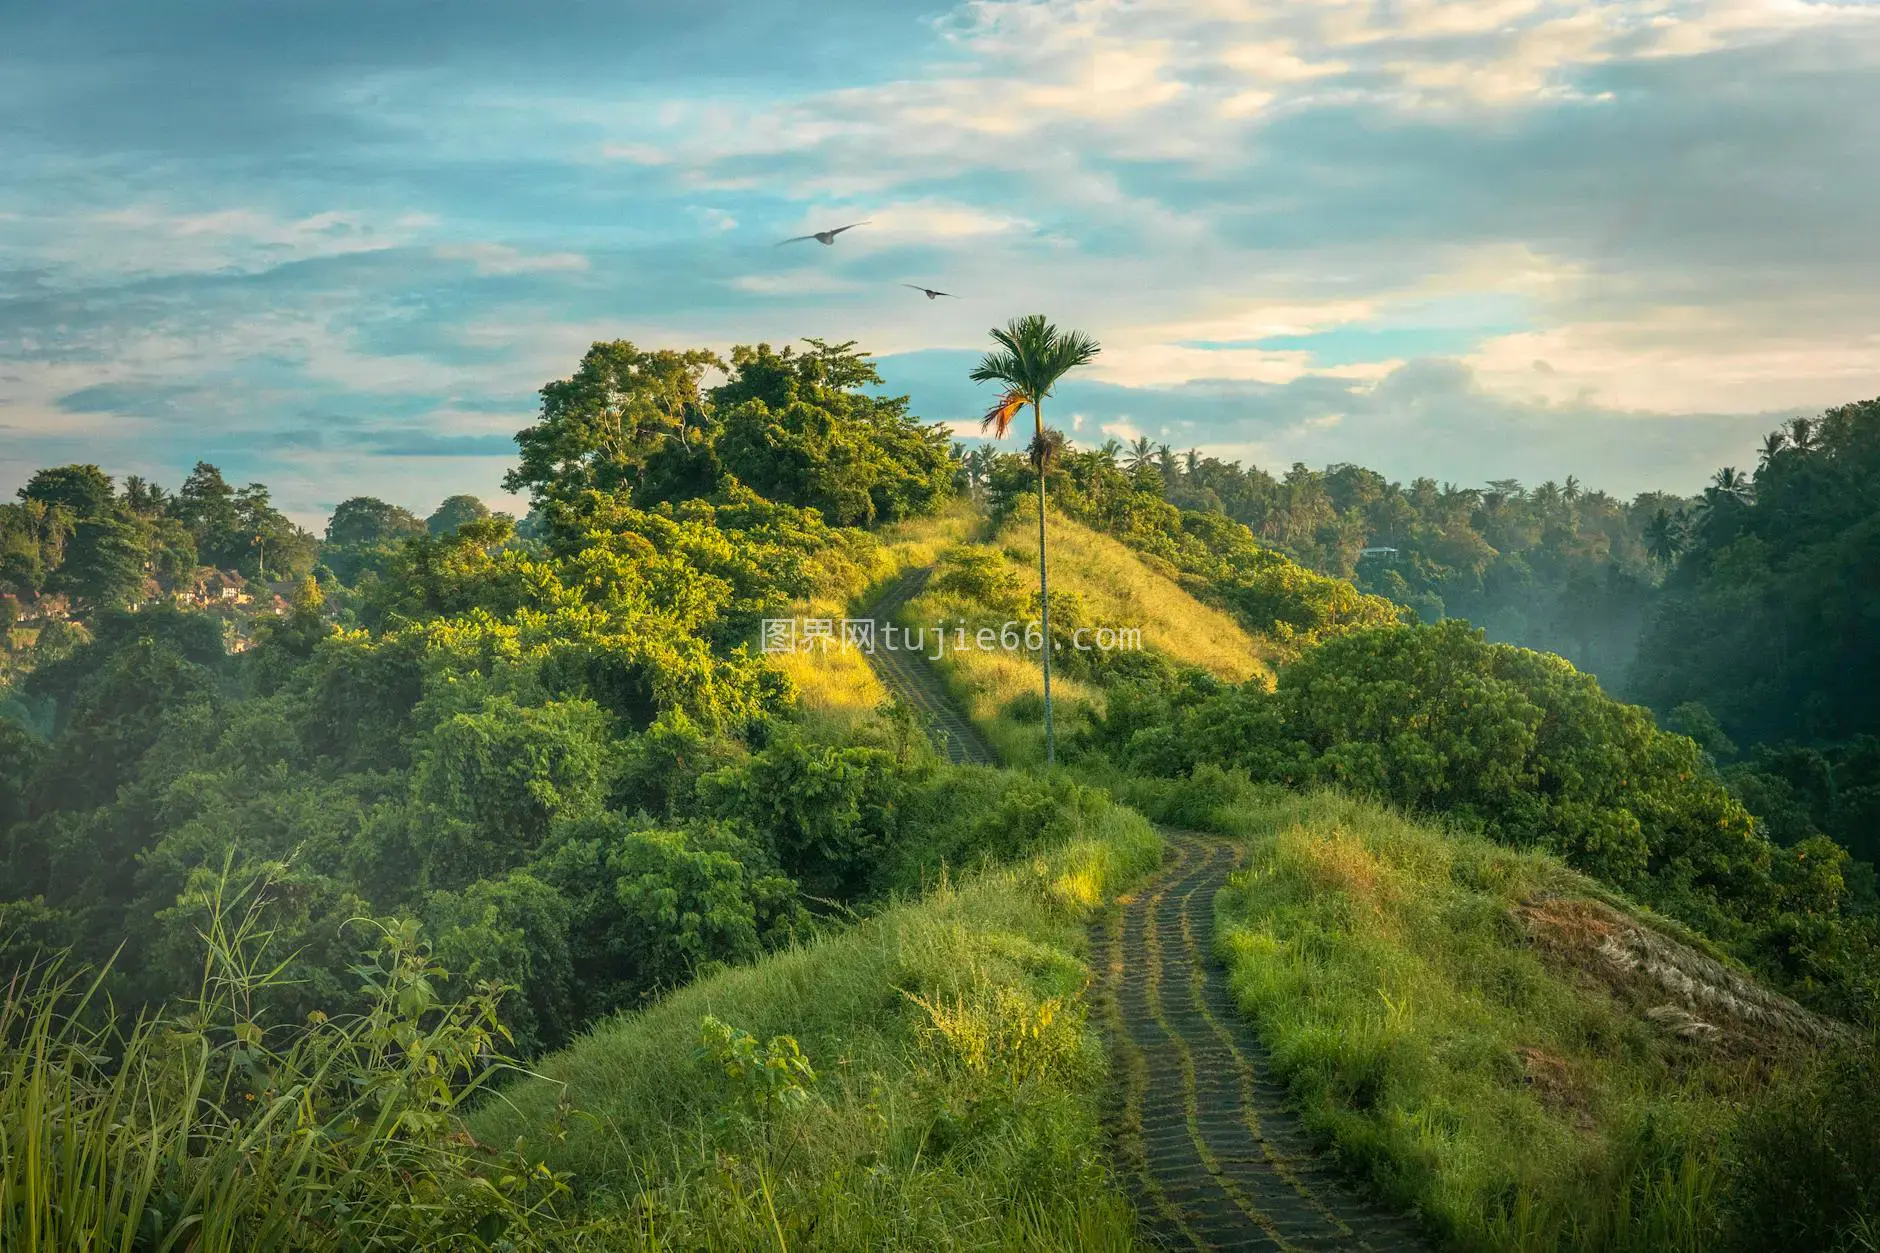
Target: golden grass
(1002, 691)
(839, 685)
(1119, 589)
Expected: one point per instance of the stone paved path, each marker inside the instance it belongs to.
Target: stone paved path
(1211, 1156)
(910, 677)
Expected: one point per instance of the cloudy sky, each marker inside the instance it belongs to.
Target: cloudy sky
(337, 246)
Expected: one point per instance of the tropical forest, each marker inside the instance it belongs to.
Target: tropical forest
(1463, 866)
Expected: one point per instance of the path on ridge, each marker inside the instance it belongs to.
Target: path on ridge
(911, 678)
(1209, 1154)
(1205, 1145)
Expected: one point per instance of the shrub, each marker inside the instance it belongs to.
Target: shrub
(1804, 1170)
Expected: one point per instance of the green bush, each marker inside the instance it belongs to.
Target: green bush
(1804, 1166)
(981, 574)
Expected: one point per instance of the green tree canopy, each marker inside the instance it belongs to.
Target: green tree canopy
(454, 512)
(599, 426)
(84, 489)
(797, 428)
(367, 520)
(104, 565)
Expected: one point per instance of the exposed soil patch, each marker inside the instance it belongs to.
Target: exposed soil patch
(1683, 992)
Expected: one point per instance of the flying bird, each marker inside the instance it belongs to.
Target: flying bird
(822, 237)
(931, 293)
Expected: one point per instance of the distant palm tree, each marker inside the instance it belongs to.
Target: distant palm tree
(1110, 452)
(1032, 355)
(1191, 462)
(1802, 434)
(1141, 454)
(1165, 462)
(1728, 494)
(1729, 482)
(1571, 492)
(1665, 537)
(1773, 445)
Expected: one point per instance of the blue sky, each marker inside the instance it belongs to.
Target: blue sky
(338, 246)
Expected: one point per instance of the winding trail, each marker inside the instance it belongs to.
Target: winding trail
(908, 676)
(1209, 1154)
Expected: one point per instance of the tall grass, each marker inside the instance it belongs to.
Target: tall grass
(838, 686)
(954, 1104)
(1521, 1105)
(200, 1128)
(1119, 587)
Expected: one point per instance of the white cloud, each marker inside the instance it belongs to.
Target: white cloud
(502, 259)
(793, 283)
(148, 239)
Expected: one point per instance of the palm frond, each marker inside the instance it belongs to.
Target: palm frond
(1002, 412)
(1032, 355)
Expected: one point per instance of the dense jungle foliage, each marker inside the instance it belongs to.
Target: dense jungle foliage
(476, 785)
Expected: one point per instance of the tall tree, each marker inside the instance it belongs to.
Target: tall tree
(369, 520)
(1032, 355)
(454, 512)
(85, 490)
(104, 565)
(1141, 454)
(599, 427)
(1665, 537)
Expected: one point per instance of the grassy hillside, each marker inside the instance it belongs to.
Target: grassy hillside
(1500, 1042)
(1095, 582)
(955, 1090)
(837, 684)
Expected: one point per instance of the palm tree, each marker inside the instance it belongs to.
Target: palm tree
(1773, 446)
(1191, 461)
(1141, 454)
(1730, 483)
(1665, 537)
(1802, 434)
(1032, 355)
(1110, 451)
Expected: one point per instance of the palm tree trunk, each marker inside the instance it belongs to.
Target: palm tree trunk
(1044, 595)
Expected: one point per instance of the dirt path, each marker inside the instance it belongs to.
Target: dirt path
(910, 677)
(1212, 1158)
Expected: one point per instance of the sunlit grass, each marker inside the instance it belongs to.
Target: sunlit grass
(1118, 587)
(838, 685)
(957, 1093)
(1519, 1105)
(1003, 691)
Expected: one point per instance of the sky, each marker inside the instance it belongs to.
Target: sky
(337, 247)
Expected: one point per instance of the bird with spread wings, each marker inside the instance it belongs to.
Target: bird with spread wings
(822, 237)
(930, 292)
